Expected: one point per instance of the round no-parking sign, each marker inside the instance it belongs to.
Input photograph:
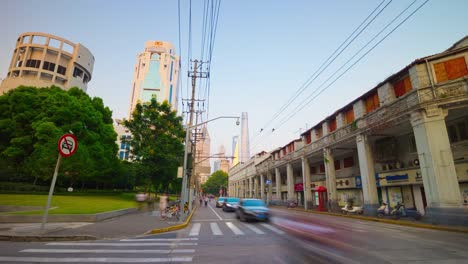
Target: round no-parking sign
(67, 145)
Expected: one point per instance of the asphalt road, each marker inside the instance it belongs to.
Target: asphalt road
(292, 237)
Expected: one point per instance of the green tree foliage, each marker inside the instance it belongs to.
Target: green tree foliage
(32, 121)
(217, 180)
(157, 142)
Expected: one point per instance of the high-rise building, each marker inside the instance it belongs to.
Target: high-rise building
(156, 75)
(202, 157)
(43, 60)
(244, 141)
(123, 140)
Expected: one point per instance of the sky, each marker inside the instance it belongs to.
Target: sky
(264, 51)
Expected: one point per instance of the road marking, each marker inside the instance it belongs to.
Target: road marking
(119, 244)
(215, 229)
(195, 229)
(253, 228)
(220, 218)
(42, 250)
(234, 228)
(272, 228)
(205, 220)
(159, 239)
(95, 260)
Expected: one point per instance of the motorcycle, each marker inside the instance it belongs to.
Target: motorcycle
(292, 204)
(397, 212)
(349, 208)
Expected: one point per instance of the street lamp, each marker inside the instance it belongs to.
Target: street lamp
(185, 191)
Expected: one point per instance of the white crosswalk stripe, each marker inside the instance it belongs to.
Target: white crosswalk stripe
(95, 260)
(253, 228)
(272, 228)
(215, 229)
(234, 228)
(195, 231)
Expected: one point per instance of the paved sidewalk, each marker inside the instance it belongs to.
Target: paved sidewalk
(129, 225)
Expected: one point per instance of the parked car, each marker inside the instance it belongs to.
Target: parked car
(252, 209)
(220, 201)
(230, 204)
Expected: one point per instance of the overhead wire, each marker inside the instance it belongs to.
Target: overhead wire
(362, 56)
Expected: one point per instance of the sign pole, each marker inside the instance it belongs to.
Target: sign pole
(51, 191)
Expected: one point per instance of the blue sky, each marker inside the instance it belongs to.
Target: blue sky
(264, 51)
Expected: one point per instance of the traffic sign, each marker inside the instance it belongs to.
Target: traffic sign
(67, 145)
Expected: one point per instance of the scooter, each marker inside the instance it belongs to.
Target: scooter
(397, 212)
(349, 208)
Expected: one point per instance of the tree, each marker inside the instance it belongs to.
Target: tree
(32, 121)
(217, 180)
(157, 142)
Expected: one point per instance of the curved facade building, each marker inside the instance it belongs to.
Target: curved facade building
(43, 60)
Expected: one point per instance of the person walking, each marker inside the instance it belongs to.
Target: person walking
(163, 205)
(201, 201)
(206, 201)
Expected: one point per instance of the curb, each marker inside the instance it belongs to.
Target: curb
(174, 227)
(388, 221)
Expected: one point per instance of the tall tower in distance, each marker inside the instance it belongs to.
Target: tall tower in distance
(156, 75)
(244, 140)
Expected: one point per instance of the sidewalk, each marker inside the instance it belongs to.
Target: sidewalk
(129, 225)
(402, 221)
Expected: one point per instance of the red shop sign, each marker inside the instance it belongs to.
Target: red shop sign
(298, 187)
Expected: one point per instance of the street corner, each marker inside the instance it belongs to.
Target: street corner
(172, 227)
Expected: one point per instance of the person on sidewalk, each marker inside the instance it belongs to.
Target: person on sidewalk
(201, 201)
(163, 205)
(206, 201)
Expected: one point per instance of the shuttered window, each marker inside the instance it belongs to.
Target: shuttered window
(372, 102)
(322, 168)
(313, 170)
(332, 125)
(451, 69)
(308, 138)
(337, 165)
(349, 116)
(402, 86)
(348, 162)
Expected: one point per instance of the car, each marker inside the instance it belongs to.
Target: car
(220, 201)
(252, 209)
(230, 204)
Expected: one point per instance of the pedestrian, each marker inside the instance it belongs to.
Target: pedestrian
(206, 201)
(201, 201)
(163, 205)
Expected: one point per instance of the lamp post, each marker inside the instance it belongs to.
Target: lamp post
(186, 191)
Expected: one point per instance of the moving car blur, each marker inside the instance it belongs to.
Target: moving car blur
(252, 209)
(220, 201)
(230, 204)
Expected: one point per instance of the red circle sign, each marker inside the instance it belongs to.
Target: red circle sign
(67, 145)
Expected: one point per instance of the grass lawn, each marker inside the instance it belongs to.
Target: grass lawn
(67, 204)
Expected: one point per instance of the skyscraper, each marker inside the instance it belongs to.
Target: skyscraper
(244, 141)
(156, 75)
(235, 150)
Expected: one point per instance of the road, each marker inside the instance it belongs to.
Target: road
(215, 236)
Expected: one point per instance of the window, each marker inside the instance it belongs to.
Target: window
(33, 63)
(313, 170)
(122, 145)
(322, 168)
(372, 102)
(349, 115)
(77, 72)
(402, 86)
(48, 66)
(86, 78)
(451, 69)
(319, 132)
(337, 165)
(126, 155)
(61, 70)
(122, 153)
(308, 138)
(284, 151)
(458, 131)
(332, 125)
(348, 162)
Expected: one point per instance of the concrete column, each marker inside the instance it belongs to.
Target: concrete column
(290, 181)
(278, 184)
(444, 204)
(262, 187)
(270, 188)
(330, 178)
(255, 186)
(250, 194)
(366, 165)
(306, 181)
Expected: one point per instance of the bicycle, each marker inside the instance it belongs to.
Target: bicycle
(173, 211)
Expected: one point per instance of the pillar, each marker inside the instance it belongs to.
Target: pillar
(290, 181)
(255, 194)
(262, 187)
(330, 178)
(250, 194)
(270, 188)
(278, 184)
(444, 204)
(366, 166)
(306, 181)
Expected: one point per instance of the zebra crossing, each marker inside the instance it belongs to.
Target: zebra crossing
(231, 228)
(140, 250)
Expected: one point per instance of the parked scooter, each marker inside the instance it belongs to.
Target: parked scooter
(397, 212)
(349, 208)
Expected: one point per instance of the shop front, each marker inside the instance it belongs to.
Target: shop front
(349, 189)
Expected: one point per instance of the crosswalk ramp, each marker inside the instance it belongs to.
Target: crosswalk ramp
(142, 250)
(230, 228)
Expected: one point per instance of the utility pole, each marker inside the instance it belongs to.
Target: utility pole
(188, 182)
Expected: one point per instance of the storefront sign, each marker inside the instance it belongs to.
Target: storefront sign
(298, 187)
(403, 177)
(346, 183)
(357, 179)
